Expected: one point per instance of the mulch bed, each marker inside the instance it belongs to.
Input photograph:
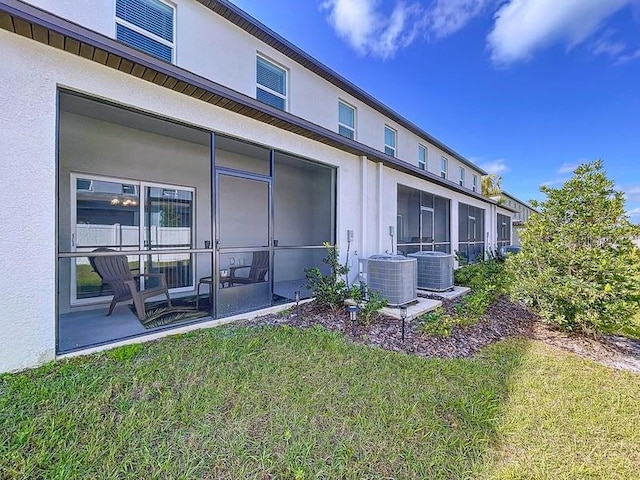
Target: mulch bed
(502, 320)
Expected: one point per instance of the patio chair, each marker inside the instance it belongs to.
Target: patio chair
(92, 262)
(257, 270)
(115, 273)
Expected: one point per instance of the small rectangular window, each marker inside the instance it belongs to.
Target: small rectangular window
(443, 167)
(390, 141)
(346, 120)
(461, 180)
(474, 185)
(422, 157)
(272, 84)
(147, 25)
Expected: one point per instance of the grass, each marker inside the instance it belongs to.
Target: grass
(287, 403)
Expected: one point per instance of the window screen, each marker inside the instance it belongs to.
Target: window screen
(504, 230)
(423, 221)
(471, 232)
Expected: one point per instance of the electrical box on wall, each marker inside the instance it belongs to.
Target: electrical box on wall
(349, 235)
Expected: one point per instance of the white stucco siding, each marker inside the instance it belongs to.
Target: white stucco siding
(32, 73)
(211, 46)
(98, 16)
(27, 169)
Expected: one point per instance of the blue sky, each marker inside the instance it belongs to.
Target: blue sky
(528, 89)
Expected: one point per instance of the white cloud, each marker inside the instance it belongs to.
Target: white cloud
(568, 167)
(605, 46)
(622, 59)
(555, 182)
(497, 166)
(634, 215)
(521, 27)
(369, 30)
(448, 16)
(525, 26)
(632, 193)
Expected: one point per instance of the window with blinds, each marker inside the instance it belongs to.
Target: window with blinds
(346, 120)
(271, 84)
(147, 25)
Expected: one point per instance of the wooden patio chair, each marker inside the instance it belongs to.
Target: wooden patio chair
(115, 272)
(257, 270)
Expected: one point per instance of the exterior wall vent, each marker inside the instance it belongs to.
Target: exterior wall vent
(394, 277)
(435, 270)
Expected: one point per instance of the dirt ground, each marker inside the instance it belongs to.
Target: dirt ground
(502, 320)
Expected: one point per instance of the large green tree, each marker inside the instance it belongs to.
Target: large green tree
(578, 266)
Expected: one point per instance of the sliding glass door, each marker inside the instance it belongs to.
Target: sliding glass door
(125, 215)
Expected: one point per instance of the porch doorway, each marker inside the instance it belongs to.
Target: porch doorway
(244, 243)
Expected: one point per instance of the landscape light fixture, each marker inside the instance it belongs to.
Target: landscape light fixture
(403, 316)
(353, 315)
(297, 296)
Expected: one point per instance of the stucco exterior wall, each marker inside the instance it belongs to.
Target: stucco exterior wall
(28, 120)
(31, 75)
(203, 43)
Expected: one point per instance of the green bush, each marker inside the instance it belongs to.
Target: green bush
(329, 290)
(437, 322)
(487, 280)
(578, 267)
(369, 302)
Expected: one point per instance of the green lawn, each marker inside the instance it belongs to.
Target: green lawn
(286, 403)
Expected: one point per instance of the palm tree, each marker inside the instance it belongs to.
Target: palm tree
(491, 185)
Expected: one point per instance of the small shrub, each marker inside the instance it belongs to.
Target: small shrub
(329, 290)
(370, 308)
(369, 302)
(437, 322)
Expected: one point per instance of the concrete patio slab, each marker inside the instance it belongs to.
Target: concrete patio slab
(452, 294)
(414, 309)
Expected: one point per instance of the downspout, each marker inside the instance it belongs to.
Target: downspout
(381, 228)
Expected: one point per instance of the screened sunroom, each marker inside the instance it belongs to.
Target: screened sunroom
(220, 225)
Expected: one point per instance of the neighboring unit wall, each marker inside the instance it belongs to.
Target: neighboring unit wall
(200, 33)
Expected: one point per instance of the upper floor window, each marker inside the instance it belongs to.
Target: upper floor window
(474, 184)
(422, 157)
(346, 120)
(461, 179)
(390, 141)
(147, 25)
(272, 84)
(444, 165)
